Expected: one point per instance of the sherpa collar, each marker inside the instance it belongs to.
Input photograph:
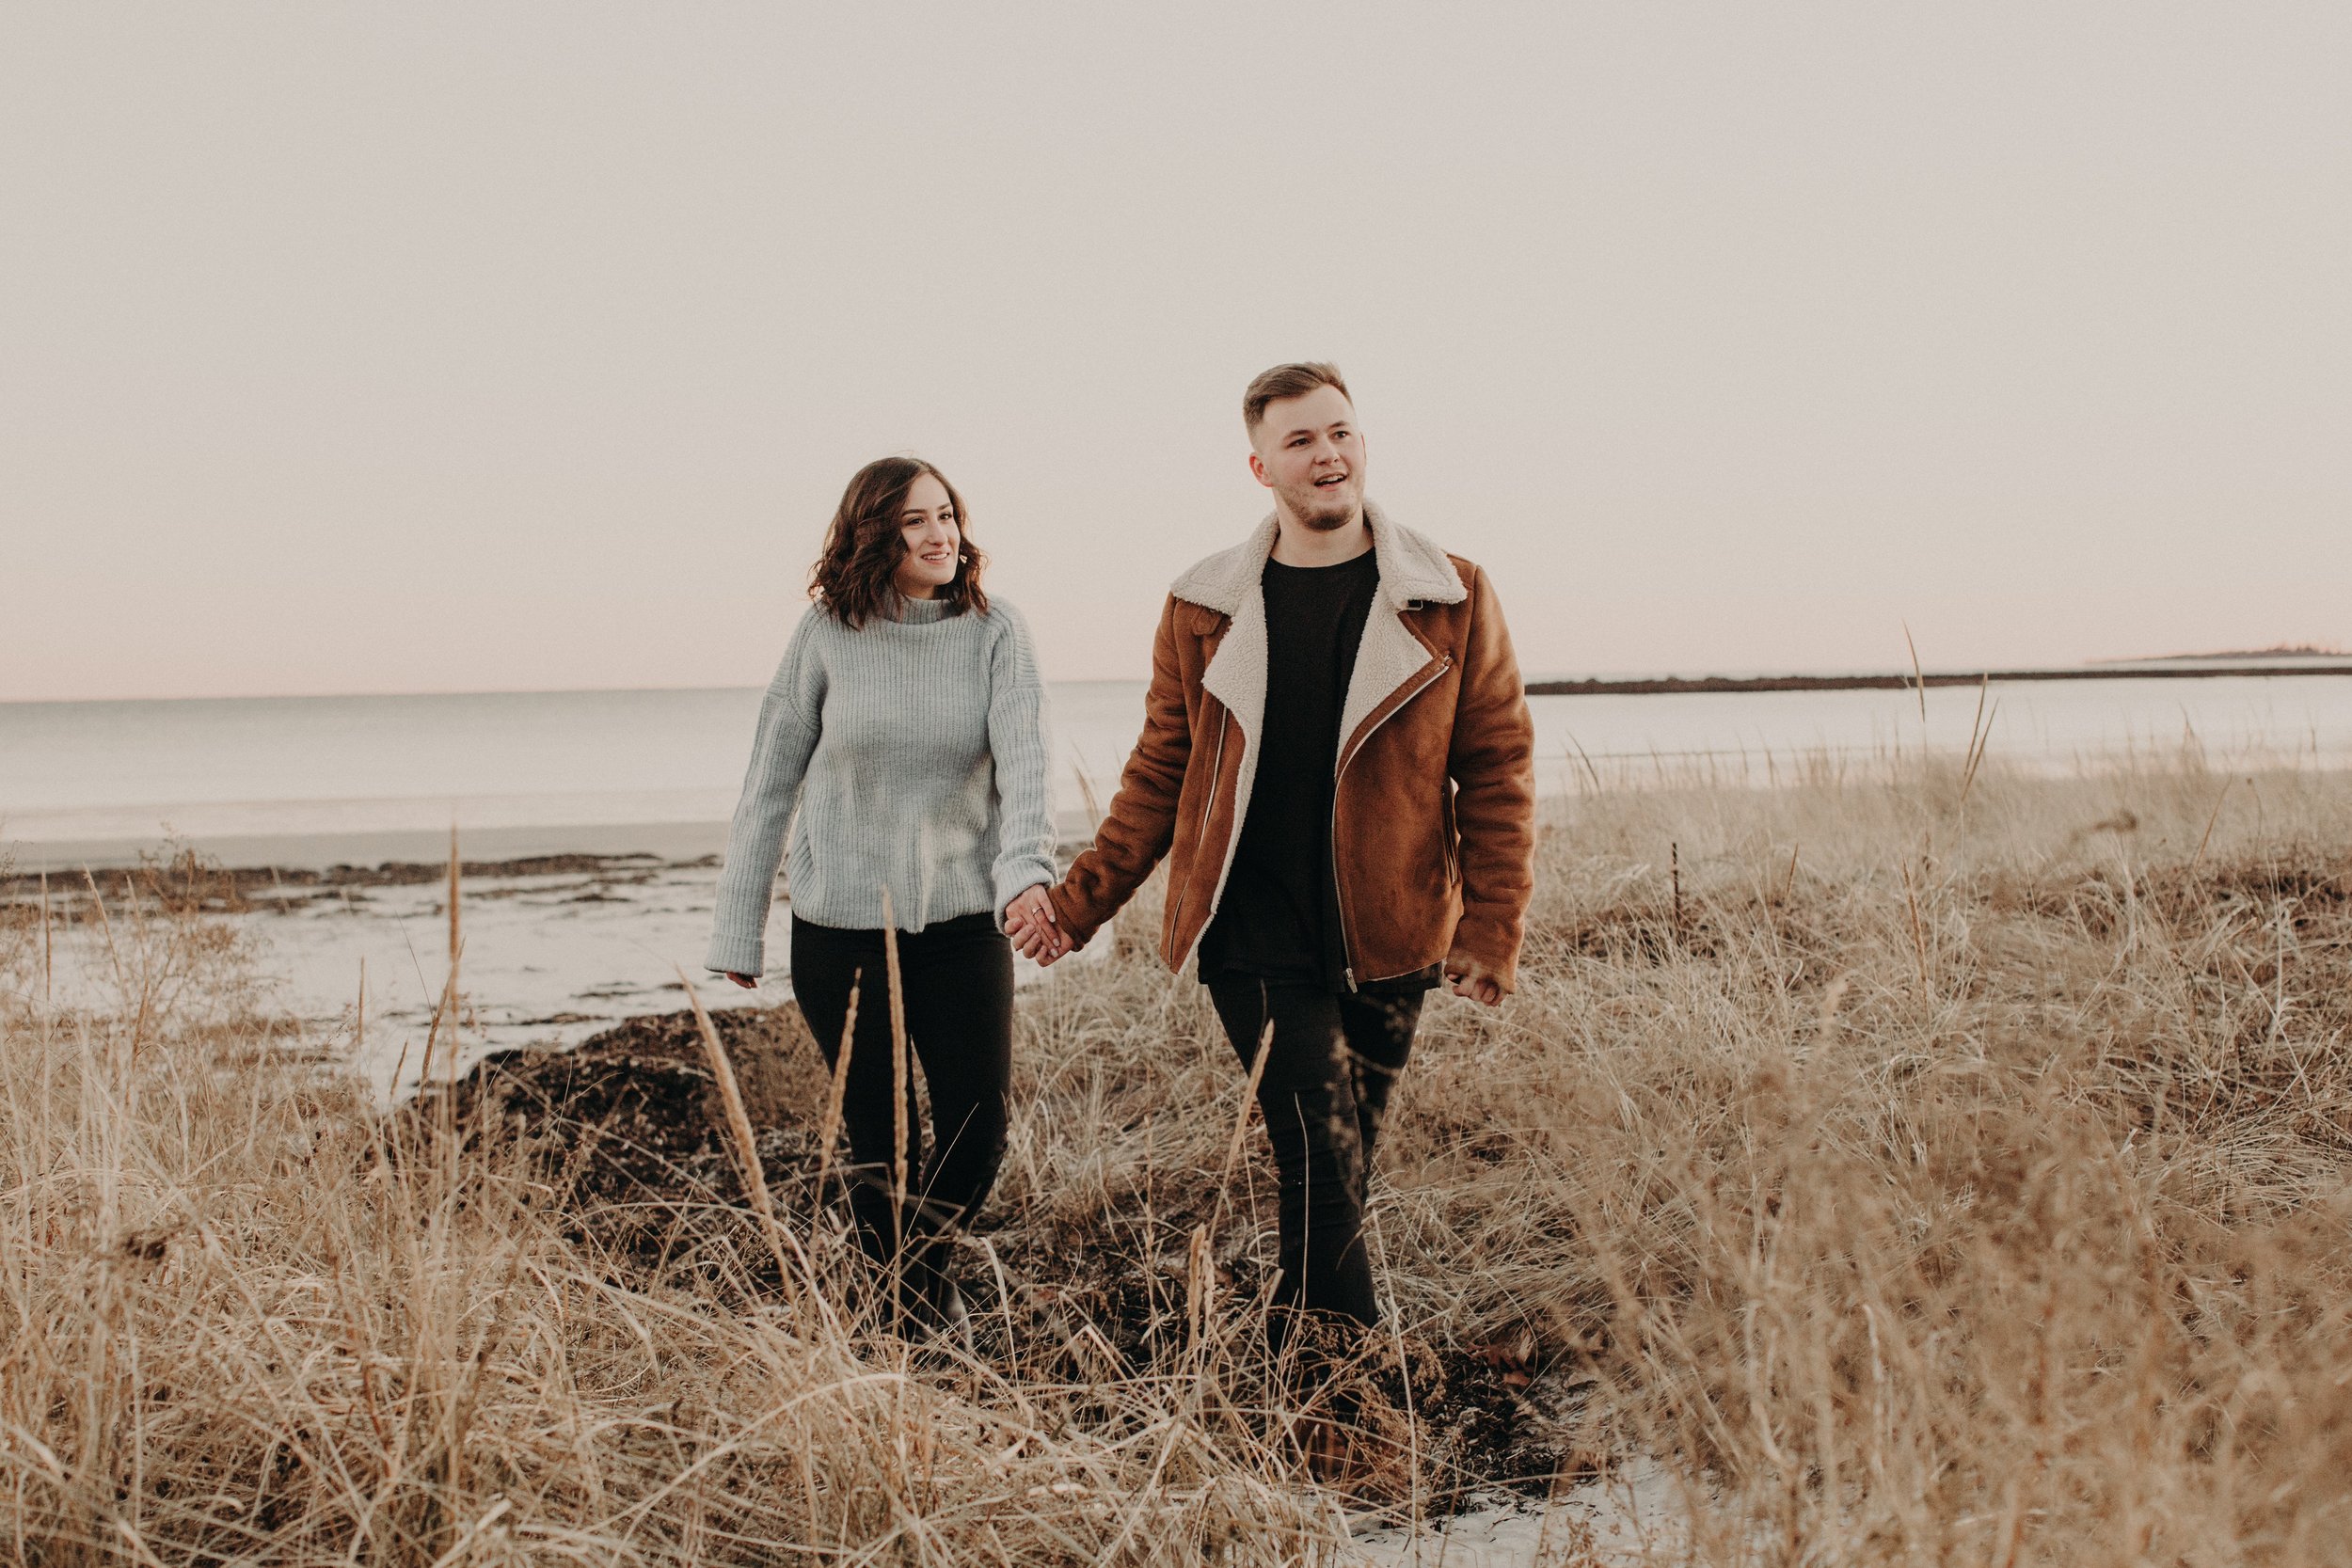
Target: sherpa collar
(1412, 568)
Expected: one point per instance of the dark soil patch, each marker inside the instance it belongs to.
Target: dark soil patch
(2307, 891)
(1642, 935)
(625, 1128)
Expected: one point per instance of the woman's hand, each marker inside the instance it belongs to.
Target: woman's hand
(1035, 929)
(749, 982)
(1472, 981)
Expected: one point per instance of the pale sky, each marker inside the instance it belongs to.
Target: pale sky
(486, 346)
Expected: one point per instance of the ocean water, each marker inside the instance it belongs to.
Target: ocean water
(77, 777)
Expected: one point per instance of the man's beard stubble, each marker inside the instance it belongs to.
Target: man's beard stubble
(1319, 510)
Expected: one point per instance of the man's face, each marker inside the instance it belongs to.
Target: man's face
(1308, 452)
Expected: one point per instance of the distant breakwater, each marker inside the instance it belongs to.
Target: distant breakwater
(1662, 685)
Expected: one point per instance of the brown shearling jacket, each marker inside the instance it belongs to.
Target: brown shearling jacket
(1434, 830)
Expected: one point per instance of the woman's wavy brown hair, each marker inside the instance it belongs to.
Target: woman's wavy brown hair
(854, 576)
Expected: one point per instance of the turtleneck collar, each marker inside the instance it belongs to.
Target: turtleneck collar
(922, 613)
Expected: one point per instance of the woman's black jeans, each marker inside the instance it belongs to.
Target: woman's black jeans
(1334, 1060)
(956, 979)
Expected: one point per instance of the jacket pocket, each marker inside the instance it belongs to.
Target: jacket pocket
(1201, 620)
(1449, 837)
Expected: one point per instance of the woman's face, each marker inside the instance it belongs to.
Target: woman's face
(934, 535)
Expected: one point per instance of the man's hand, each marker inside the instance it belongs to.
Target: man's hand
(1475, 983)
(1035, 929)
(749, 982)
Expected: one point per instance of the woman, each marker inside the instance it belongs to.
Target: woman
(907, 725)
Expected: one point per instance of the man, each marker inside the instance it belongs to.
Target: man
(1337, 760)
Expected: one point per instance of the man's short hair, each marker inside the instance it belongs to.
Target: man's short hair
(1287, 381)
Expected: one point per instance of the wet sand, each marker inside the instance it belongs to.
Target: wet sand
(554, 947)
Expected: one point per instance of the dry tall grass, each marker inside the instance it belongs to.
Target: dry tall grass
(1938, 1171)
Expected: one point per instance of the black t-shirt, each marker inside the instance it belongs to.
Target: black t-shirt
(1280, 915)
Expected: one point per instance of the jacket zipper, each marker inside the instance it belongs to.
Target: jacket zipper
(1216, 776)
(1347, 951)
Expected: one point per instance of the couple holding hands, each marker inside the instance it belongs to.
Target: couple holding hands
(1337, 763)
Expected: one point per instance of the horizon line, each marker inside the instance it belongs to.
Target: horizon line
(1530, 677)
(451, 691)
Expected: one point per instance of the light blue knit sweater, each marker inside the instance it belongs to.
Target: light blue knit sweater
(916, 752)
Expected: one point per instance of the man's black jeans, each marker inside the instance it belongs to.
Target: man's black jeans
(1334, 1060)
(956, 981)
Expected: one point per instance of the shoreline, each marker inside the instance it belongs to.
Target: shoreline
(1660, 686)
(238, 886)
(354, 856)
(390, 856)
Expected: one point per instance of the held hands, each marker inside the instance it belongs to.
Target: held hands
(1029, 920)
(1035, 929)
(1475, 983)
